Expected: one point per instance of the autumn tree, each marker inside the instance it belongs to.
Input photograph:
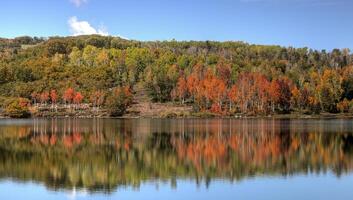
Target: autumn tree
(233, 96)
(78, 98)
(347, 82)
(181, 89)
(53, 98)
(69, 95)
(118, 101)
(18, 108)
(97, 98)
(44, 97)
(212, 76)
(35, 97)
(284, 98)
(330, 90)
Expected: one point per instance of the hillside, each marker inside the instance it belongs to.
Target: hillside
(224, 78)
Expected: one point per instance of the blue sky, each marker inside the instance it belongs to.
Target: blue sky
(319, 24)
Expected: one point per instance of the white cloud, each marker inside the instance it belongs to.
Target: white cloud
(78, 3)
(84, 28)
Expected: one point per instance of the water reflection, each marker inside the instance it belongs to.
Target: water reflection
(100, 155)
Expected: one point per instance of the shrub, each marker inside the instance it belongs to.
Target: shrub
(18, 108)
(118, 101)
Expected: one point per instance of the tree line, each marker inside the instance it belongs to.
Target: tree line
(226, 78)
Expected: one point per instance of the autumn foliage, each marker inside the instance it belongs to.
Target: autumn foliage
(227, 78)
(119, 100)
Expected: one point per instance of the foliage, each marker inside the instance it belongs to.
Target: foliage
(118, 101)
(223, 77)
(18, 108)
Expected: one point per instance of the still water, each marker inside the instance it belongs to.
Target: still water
(176, 159)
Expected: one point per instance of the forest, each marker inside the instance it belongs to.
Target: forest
(223, 78)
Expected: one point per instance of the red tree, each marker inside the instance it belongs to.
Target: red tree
(35, 97)
(44, 97)
(181, 90)
(233, 96)
(78, 98)
(69, 95)
(53, 96)
(280, 94)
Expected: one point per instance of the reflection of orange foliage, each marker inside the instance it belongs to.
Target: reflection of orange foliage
(23, 131)
(68, 142)
(210, 150)
(53, 140)
(295, 144)
(71, 140)
(253, 149)
(44, 139)
(127, 145)
(233, 142)
(77, 138)
(257, 148)
(96, 138)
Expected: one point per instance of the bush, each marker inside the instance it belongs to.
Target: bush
(18, 108)
(118, 101)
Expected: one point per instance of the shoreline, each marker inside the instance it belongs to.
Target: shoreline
(194, 116)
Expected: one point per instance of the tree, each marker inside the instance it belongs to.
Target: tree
(211, 76)
(343, 106)
(54, 46)
(253, 93)
(330, 90)
(181, 89)
(97, 98)
(160, 81)
(137, 59)
(296, 98)
(233, 96)
(224, 72)
(283, 101)
(18, 108)
(44, 97)
(35, 97)
(347, 82)
(76, 57)
(89, 55)
(215, 89)
(191, 83)
(245, 91)
(118, 101)
(69, 95)
(261, 95)
(78, 98)
(280, 93)
(53, 97)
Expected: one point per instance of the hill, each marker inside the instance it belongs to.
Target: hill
(225, 78)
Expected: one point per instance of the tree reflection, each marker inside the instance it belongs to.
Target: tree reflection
(101, 155)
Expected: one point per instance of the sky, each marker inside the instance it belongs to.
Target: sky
(317, 24)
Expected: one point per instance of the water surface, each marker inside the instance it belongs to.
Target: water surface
(176, 159)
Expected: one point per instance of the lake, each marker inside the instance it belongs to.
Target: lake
(162, 159)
